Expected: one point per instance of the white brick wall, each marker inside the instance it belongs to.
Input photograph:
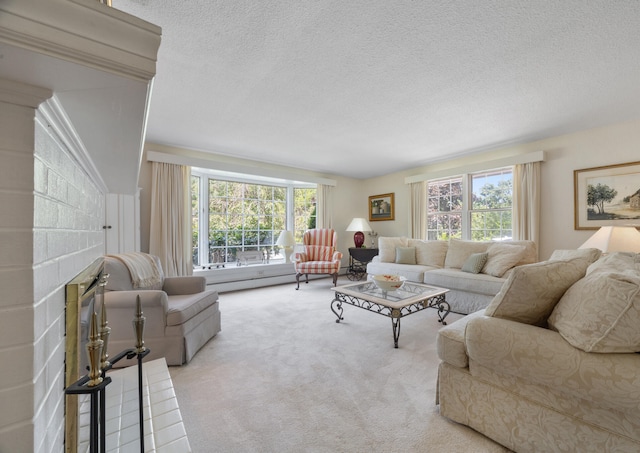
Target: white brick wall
(50, 229)
(16, 278)
(68, 218)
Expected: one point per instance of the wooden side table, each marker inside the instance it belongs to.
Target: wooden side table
(358, 259)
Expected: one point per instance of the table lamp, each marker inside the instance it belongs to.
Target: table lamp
(358, 224)
(287, 242)
(614, 239)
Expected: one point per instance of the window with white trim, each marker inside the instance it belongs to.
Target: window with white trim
(305, 211)
(245, 215)
(473, 206)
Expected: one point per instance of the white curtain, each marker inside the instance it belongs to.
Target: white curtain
(324, 206)
(526, 202)
(170, 229)
(418, 210)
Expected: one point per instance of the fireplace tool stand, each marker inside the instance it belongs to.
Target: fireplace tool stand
(95, 382)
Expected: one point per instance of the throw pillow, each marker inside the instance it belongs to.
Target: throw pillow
(591, 255)
(475, 263)
(387, 248)
(406, 255)
(530, 255)
(617, 261)
(601, 313)
(532, 291)
(459, 252)
(502, 257)
(430, 253)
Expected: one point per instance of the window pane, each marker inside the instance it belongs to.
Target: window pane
(195, 219)
(251, 191)
(491, 195)
(444, 209)
(218, 188)
(492, 190)
(280, 194)
(247, 216)
(305, 211)
(491, 225)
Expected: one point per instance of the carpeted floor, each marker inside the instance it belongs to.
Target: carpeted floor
(283, 376)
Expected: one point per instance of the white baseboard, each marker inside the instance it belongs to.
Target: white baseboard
(248, 277)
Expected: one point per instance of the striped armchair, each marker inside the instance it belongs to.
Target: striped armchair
(320, 255)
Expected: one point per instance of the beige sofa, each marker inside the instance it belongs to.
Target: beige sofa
(181, 314)
(551, 365)
(442, 263)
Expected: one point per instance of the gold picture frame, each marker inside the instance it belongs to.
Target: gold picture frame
(607, 196)
(381, 207)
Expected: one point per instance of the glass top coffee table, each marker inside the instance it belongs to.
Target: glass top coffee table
(410, 298)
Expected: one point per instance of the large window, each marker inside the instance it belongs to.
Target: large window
(444, 209)
(304, 211)
(474, 206)
(244, 216)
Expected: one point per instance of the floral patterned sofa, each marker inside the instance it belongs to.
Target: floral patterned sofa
(551, 365)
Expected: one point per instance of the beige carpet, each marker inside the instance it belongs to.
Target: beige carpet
(283, 376)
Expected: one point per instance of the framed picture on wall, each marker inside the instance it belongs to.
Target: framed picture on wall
(607, 196)
(381, 207)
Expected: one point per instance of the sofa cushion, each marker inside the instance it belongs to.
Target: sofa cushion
(430, 253)
(590, 255)
(182, 308)
(530, 254)
(412, 272)
(532, 291)
(502, 257)
(455, 279)
(387, 248)
(459, 251)
(475, 263)
(601, 313)
(618, 261)
(406, 255)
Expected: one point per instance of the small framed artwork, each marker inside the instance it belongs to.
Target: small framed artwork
(607, 196)
(381, 207)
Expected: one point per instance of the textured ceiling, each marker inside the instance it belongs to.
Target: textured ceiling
(367, 87)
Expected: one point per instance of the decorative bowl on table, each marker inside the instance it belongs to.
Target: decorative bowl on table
(388, 282)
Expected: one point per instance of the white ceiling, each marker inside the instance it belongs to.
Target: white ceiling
(363, 88)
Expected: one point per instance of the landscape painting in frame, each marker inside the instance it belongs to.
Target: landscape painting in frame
(607, 196)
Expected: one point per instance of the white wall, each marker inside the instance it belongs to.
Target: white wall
(619, 143)
(51, 228)
(614, 144)
(347, 195)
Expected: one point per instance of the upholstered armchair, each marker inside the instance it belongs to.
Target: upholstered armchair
(320, 255)
(181, 314)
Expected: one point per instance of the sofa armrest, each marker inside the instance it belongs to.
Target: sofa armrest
(184, 285)
(337, 256)
(150, 299)
(121, 309)
(543, 357)
(301, 257)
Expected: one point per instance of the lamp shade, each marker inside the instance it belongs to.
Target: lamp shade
(287, 242)
(286, 239)
(614, 239)
(358, 224)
